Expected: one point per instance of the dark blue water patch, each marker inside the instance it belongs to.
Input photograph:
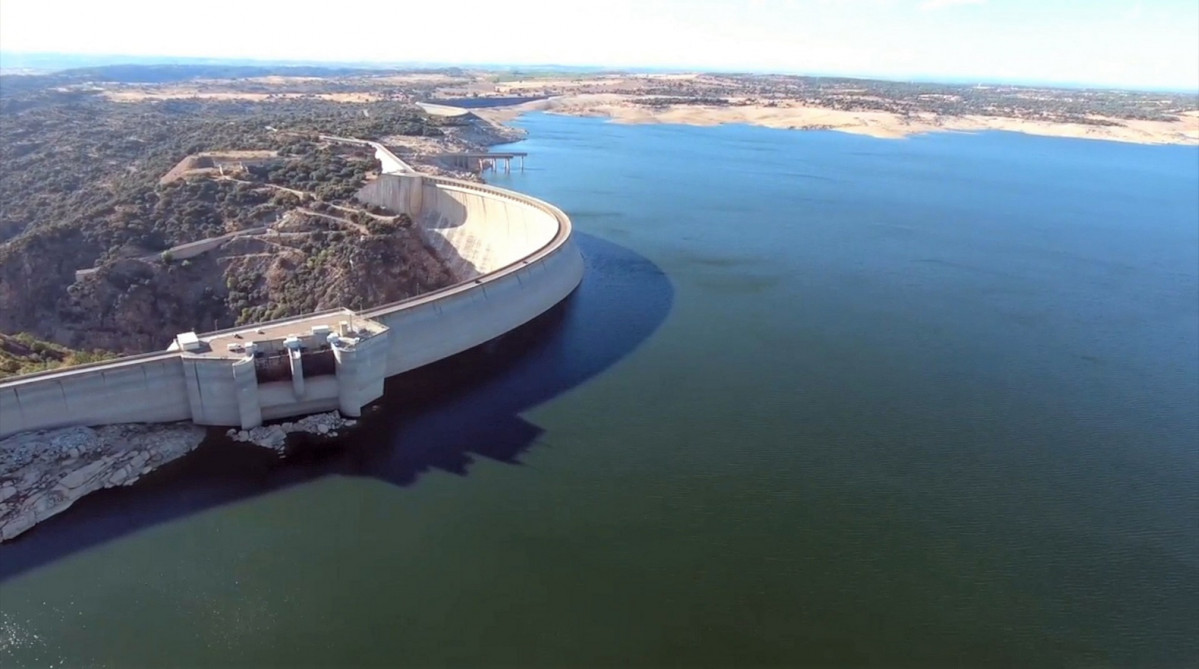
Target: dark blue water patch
(440, 417)
(1007, 326)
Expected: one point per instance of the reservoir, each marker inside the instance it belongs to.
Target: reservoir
(821, 399)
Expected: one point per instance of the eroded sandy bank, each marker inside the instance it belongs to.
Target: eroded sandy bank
(624, 109)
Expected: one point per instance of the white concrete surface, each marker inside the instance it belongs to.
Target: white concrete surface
(434, 109)
(145, 389)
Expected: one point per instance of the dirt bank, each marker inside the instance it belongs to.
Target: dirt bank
(43, 473)
(625, 109)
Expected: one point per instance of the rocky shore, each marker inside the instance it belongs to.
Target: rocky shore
(799, 115)
(43, 473)
(476, 134)
(274, 437)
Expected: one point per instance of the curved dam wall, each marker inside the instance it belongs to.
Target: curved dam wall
(475, 229)
(513, 256)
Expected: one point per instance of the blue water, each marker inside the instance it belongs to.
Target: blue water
(821, 400)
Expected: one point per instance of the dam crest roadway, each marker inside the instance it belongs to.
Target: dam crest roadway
(512, 257)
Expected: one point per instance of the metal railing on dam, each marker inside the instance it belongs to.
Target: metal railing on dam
(516, 259)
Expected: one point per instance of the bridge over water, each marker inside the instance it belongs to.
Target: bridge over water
(480, 161)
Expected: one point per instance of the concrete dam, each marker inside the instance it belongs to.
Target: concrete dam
(512, 257)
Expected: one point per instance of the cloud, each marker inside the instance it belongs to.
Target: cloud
(933, 5)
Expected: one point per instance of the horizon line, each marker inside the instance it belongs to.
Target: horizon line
(149, 60)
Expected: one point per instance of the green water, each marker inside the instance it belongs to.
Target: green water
(864, 402)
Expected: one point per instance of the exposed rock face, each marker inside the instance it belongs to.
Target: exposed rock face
(356, 272)
(274, 437)
(43, 473)
(134, 306)
(24, 354)
(131, 306)
(483, 133)
(472, 134)
(34, 273)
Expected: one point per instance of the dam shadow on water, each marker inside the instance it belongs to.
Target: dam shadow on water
(440, 417)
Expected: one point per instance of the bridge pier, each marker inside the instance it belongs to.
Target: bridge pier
(348, 381)
(295, 360)
(245, 380)
(483, 161)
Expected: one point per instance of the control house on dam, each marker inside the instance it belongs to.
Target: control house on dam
(512, 257)
(339, 362)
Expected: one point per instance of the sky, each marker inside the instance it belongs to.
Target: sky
(1118, 43)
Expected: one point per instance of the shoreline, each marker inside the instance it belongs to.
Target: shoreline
(423, 152)
(882, 125)
(43, 473)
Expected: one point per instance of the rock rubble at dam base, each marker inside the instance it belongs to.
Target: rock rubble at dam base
(42, 473)
(274, 437)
